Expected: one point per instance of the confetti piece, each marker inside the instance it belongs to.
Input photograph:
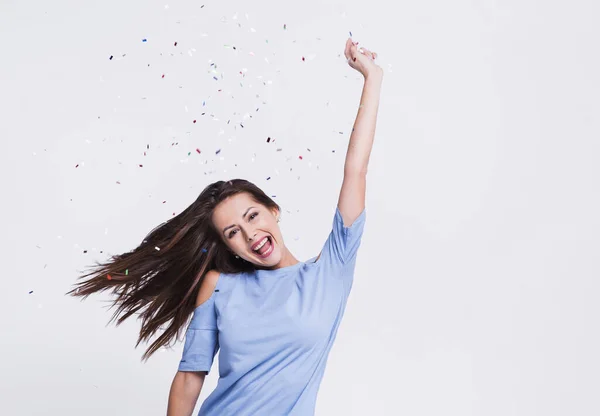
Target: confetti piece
(141, 166)
(350, 33)
(284, 27)
(158, 249)
(204, 250)
(300, 157)
(77, 165)
(303, 59)
(164, 74)
(143, 40)
(175, 43)
(218, 151)
(110, 59)
(108, 277)
(126, 272)
(198, 150)
(30, 292)
(194, 121)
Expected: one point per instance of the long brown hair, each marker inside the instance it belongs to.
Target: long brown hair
(161, 277)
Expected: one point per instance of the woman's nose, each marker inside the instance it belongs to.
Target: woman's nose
(251, 235)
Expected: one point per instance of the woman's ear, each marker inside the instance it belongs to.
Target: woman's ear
(275, 212)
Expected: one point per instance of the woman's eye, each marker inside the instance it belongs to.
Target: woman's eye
(251, 217)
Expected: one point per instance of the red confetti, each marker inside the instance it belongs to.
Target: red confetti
(141, 166)
(300, 157)
(163, 75)
(175, 43)
(77, 165)
(194, 121)
(303, 59)
(198, 150)
(108, 277)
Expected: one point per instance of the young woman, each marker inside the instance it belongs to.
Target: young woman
(224, 262)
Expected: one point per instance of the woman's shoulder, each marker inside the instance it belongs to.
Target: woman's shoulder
(215, 281)
(208, 286)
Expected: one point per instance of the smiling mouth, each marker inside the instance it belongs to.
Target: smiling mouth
(266, 251)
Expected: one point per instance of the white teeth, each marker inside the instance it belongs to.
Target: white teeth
(261, 244)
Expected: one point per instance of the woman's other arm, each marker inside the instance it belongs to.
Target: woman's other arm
(184, 393)
(187, 385)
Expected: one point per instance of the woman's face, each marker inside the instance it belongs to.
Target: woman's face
(242, 222)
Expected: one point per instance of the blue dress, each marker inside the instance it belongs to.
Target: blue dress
(274, 330)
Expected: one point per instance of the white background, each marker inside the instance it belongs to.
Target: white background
(476, 287)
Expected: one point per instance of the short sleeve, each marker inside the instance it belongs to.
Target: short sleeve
(201, 339)
(343, 241)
